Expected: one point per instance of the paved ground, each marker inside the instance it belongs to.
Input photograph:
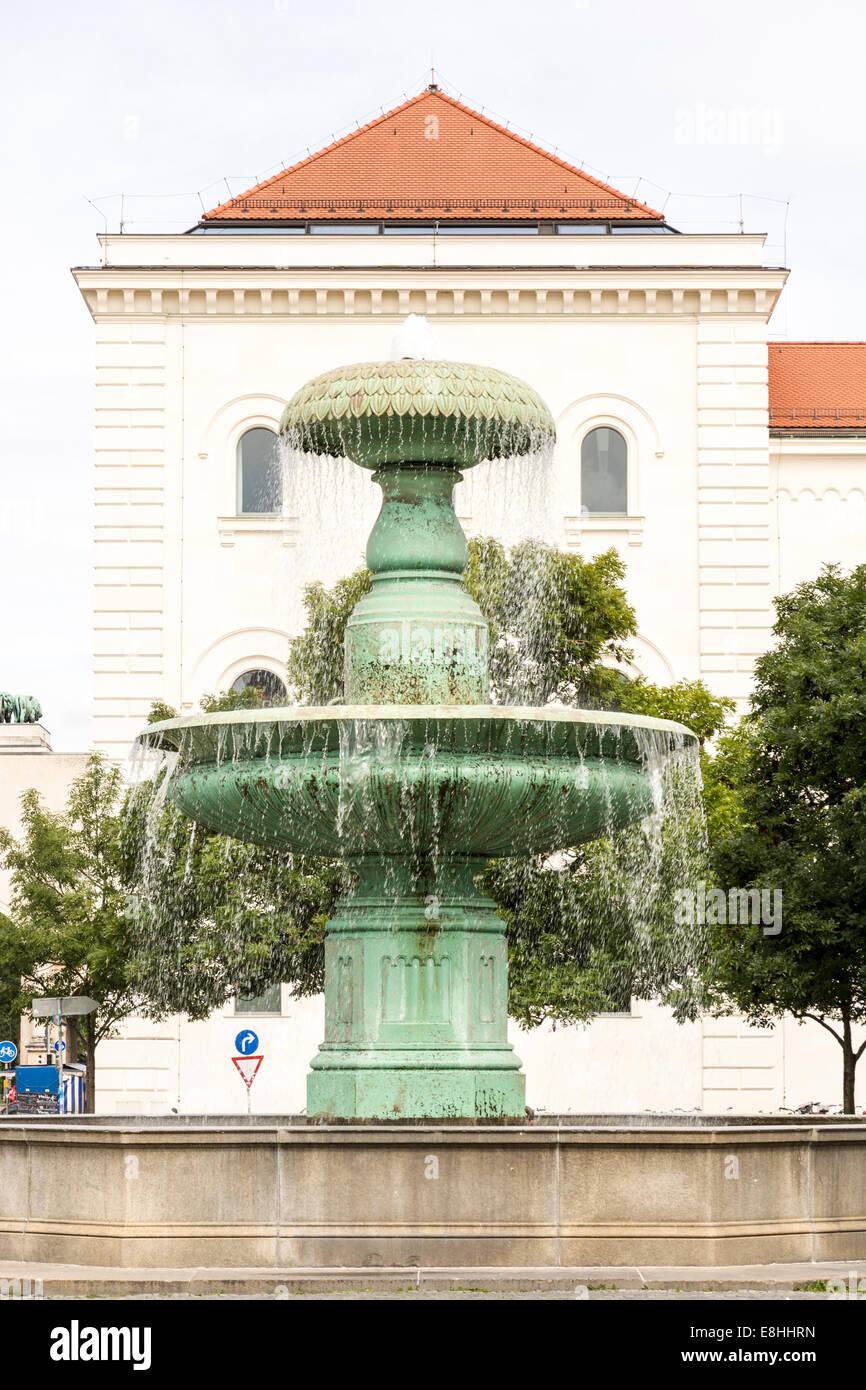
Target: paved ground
(757, 1282)
(536, 1295)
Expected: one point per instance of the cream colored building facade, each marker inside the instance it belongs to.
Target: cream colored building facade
(201, 337)
(191, 353)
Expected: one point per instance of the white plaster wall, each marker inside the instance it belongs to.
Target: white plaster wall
(645, 1062)
(131, 250)
(247, 585)
(616, 1064)
(819, 506)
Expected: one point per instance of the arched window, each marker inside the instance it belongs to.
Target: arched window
(604, 473)
(260, 486)
(271, 688)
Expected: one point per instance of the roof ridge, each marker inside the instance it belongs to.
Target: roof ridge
(819, 342)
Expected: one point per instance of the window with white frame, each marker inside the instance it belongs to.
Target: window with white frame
(269, 1002)
(604, 473)
(260, 486)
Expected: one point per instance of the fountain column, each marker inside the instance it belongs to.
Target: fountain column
(416, 969)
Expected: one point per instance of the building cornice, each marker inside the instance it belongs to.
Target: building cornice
(232, 292)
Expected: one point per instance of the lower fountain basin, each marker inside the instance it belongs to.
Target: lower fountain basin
(387, 779)
(272, 1195)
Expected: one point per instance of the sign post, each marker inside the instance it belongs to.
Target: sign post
(59, 1007)
(67, 1006)
(59, 1021)
(60, 1048)
(249, 1061)
(8, 1053)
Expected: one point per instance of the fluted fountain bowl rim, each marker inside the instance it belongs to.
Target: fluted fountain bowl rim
(436, 412)
(192, 733)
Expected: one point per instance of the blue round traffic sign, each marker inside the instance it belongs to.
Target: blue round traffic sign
(60, 1046)
(8, 1051)
(247, 1042)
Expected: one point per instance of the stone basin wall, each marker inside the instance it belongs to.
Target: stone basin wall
(288, 1196)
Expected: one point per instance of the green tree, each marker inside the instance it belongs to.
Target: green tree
(250, 697)
(791, 783)
(693, 704)
(557, 621)
(69, 931)
(590, 929)
(315, 664)
(13, 963)
(687, 702)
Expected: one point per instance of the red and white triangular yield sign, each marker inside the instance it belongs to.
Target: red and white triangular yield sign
(248, 1066)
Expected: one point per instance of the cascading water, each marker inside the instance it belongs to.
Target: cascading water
(417, 780)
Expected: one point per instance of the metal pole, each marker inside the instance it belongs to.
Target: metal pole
(60, 1063)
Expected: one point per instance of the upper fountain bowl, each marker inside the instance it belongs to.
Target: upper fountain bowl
(425, 780)
(441, 414)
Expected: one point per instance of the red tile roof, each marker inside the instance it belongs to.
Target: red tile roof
(432, 159)
(817, 386)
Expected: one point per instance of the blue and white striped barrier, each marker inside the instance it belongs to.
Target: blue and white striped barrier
(72, 1100)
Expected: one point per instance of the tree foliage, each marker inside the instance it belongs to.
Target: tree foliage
(691, 703)
(315, 664)
(590, 929)
(557, 621)
(792, 782)
(69, 931)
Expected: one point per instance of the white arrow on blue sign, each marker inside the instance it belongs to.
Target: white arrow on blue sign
(60, 1046)
(247, 1042)
(8, 1051)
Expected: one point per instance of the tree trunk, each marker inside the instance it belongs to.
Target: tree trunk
(849, 1063)
(90, 1066)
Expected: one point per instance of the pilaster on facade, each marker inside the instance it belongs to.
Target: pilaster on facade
(742, 1066)
(129, 514)
(734, 538)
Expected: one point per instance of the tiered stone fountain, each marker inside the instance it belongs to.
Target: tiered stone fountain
(416, 779)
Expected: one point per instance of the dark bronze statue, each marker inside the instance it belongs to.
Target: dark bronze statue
(19, 709)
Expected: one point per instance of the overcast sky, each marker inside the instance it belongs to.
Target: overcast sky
(764, 98)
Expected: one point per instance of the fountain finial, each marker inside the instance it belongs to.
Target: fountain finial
(414, 338)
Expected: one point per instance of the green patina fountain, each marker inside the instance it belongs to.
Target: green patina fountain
(416, 779)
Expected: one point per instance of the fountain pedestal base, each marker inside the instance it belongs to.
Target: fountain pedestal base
(416, 1001)
(359, 1092)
